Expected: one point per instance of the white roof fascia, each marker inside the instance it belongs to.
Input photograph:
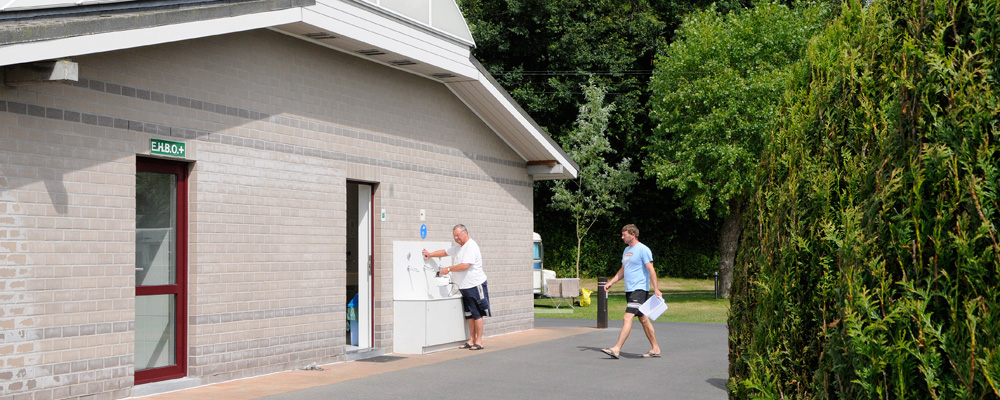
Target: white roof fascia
(527, 125)
(103, 42)
(387, 33)
(514, 120)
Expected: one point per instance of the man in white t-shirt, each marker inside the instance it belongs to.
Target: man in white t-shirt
(471, 280)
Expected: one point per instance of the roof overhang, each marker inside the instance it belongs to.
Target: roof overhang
(349, 26)
(47, 38)
(544, 158)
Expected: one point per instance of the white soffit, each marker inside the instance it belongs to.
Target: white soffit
(443, 15)
(375, 36)
(111, 41)
(371, 31)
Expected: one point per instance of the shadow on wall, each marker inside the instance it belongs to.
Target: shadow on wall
(58, 195)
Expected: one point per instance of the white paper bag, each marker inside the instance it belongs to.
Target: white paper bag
(653, 307)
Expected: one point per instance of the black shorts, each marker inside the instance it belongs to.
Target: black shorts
(635, 299)
(476, 302)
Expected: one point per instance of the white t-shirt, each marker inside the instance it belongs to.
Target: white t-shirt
(474, 276)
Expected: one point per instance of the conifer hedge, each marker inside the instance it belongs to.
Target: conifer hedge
(870, 263)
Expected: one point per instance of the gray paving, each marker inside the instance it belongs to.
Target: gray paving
(693, 366)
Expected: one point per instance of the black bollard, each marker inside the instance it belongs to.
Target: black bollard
(716, 285)
(602, 304)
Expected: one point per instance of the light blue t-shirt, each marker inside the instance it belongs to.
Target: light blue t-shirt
(634, 261)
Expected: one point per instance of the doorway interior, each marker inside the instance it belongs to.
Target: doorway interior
(360, 250)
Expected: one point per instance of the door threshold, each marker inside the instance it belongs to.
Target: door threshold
(172, 385)
(354, 353)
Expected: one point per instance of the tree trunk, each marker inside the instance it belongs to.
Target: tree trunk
(579, 245)
(729, 240)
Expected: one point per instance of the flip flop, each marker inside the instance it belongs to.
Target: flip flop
(650, 354)
(476, 347)
(610, 353)
(465, 346)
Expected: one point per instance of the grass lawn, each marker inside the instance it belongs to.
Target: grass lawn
(689, 300)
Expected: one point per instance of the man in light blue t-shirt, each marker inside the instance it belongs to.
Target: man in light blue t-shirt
(637, 269)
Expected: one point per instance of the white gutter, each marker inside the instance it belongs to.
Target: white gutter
(111, 41)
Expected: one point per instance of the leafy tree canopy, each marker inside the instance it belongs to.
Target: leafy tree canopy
(543, 51)
(600, 188)
(716, 91)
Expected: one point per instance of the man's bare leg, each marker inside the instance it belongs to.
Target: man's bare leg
(472, 332)
(476, 331)
(647, 326)
(626, 330)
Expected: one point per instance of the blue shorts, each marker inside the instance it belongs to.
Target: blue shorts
(476, 302)
(635, 299)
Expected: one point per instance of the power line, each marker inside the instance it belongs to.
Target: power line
(588, 73)
(609, 93)
(575, 73)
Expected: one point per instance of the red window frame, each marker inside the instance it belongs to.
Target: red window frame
(179, 288)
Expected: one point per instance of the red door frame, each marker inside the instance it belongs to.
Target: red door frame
(179, 288)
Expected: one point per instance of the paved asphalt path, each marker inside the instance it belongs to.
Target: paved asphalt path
(693, 367)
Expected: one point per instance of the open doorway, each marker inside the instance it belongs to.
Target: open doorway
(360, 285)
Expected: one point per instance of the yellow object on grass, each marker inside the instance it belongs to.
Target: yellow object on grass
(585, 297)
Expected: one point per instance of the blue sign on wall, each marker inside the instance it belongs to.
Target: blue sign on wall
(423, 231)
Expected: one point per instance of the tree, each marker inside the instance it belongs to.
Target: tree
(599, 188)
(871, 264)
(716, 90)
(542, 51)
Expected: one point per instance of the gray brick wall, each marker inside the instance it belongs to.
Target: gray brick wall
(276, 128)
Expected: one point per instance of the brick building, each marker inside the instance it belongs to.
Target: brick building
(192, 192)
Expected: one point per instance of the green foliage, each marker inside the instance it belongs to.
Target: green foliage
(542, 51)
(871, 263)
(686, 262)
(599, 187)
(681, 249)
(716, 91)
(715, 95)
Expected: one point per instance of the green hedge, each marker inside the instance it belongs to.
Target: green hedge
(602, 250)
(683, 246)
(870, 263)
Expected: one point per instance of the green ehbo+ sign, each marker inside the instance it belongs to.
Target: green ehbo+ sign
(166, 148)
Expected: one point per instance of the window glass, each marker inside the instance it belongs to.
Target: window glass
(154, 331)
(156, 229)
